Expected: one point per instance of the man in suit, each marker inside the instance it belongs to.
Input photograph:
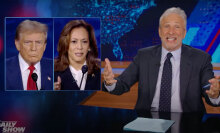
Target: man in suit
(30, 41)
(189, 69)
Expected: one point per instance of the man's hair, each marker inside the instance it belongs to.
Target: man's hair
(31, 27)
(175, 10)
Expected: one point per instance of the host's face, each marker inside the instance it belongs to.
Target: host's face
(31, 46)
(78, 46)
(172, 31)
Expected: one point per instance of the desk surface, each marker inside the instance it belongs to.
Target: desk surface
(46, 112)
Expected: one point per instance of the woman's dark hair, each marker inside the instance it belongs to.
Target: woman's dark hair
(62, 61)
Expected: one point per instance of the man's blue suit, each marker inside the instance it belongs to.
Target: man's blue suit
(14, 79)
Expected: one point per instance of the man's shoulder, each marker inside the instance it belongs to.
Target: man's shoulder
(46, 61)
(12, 61)
(155, 49)
(150, 48)
(11, 58)
(194, 51)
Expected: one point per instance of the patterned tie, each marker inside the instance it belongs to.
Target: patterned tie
(166, 83)
(31, 85)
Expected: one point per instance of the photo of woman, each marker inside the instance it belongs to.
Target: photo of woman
(77, 66)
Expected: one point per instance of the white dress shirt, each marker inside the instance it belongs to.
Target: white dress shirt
(25, 72)
(175, 92)
(77, 75)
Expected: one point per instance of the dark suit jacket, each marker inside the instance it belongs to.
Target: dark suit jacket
(68, 82)
(195, 71)
(14, 79)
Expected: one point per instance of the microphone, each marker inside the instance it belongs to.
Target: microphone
(34, 77)
(84, 70)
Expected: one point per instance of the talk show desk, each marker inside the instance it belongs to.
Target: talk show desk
(85, 119)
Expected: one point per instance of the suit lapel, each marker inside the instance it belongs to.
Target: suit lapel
(185, 70)
(69, 80)
(18, 81)
(88, 81)
(154, 70)
(45, 76)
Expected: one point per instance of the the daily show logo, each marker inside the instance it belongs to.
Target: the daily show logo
(10, 127)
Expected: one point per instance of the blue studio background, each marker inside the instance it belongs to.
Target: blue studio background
(126, 26)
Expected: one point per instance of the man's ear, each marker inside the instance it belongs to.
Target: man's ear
(17, 45)
(159, 31)
(184, 33)
(45, 46)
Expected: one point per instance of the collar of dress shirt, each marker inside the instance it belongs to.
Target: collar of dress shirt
(176, 54)
(74, 71)
(24, 65)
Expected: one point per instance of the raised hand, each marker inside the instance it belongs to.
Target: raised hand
(108, 74)
(214, 90)
(57, 85)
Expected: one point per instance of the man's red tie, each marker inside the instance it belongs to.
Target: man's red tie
(31, 84)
